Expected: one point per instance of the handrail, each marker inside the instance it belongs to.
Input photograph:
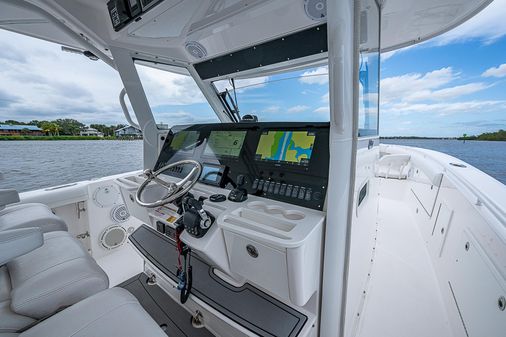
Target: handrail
(125, 109)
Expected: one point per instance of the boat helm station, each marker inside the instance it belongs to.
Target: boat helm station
(251, 225)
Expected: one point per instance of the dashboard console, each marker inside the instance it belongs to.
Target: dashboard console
(281, 161)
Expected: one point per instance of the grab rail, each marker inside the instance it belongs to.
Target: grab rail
(125, 109)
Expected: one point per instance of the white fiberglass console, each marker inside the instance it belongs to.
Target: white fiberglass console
(271, 235)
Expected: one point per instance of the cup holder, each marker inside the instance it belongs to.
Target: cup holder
(276, 210)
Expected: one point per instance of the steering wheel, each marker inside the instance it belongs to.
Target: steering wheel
(174, 190)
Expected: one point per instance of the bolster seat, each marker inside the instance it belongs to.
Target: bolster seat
(30, 215)
(58, 274)
(113, 312)
(37, 282)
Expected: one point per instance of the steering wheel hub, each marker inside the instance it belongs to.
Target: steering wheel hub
(174, 190)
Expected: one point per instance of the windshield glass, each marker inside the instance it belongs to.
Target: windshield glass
(173, 96)
(300, 96)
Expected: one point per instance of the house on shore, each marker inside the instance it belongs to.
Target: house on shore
(20, 130)
(91, 132)
(128, 132)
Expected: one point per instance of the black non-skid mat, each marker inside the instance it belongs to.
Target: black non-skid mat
(175, 320)
(246, 305)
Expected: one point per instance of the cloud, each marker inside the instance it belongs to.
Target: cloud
(183, 117)
(484, 124)
(242, 85)
(499, 71)
(443, 109)
(11, 53)
(6, 99)
(272, 109)
(488, 26)
(317, 76)
(298, 108)
(322, 110)
(431, 86)
(408, 86)
(164, 88)
(39, 81)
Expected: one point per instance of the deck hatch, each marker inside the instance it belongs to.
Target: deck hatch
(246, 305)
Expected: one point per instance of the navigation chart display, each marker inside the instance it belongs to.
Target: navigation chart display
(225, 143)
(184, 141)
(294, 147)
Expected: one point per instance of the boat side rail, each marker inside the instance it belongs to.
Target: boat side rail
(480, 189)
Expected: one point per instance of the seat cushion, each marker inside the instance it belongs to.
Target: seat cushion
(113, 312)
(31, 215)
(9, 321)
(58, 274)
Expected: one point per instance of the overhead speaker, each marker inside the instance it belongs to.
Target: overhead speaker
(316, 9)
(120, 213)
(113, 237)
(195, 49)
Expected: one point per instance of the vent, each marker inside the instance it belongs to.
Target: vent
(113, 237)
(120, 213)
(195, 49)
(316, 9)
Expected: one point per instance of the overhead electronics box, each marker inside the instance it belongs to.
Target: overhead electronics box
(124, 11)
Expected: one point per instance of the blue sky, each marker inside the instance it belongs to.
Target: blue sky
(450, 85)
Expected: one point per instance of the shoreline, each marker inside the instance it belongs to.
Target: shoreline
(57, 138)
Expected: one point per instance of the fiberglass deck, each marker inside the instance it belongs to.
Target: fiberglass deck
(403, 298)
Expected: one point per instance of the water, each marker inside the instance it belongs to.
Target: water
(29, 165)
(489, 157)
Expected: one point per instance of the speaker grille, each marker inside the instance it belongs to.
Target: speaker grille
(316, 9)
(113, 237)
(120, 213)
(195, 49)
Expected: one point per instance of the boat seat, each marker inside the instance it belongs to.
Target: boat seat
(27, 215)
(112, 312)
(53, 276)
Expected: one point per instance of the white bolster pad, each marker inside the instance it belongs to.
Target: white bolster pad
(113, 312)
(18, 242)
(8, 196)
(56, 275)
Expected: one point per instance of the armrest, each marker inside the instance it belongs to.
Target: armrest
(8, 196)
(17, 242)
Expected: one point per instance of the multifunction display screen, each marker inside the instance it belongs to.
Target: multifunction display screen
(184, 141)
(292, 147)
(225, 143)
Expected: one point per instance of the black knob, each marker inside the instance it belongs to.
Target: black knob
(241, 180)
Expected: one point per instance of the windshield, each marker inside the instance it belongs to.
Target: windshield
(301, 95)
(173, 96)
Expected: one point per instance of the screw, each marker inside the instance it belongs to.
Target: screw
(501, 303)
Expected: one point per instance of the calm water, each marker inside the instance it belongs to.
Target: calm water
(29, 165)
(489, 157)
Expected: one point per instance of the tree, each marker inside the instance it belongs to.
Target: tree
(13, 122)
(68, 126)
(46, 127)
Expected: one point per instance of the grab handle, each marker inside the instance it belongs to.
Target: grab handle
(125, 109)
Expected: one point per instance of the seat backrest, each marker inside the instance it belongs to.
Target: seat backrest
(7, 197)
